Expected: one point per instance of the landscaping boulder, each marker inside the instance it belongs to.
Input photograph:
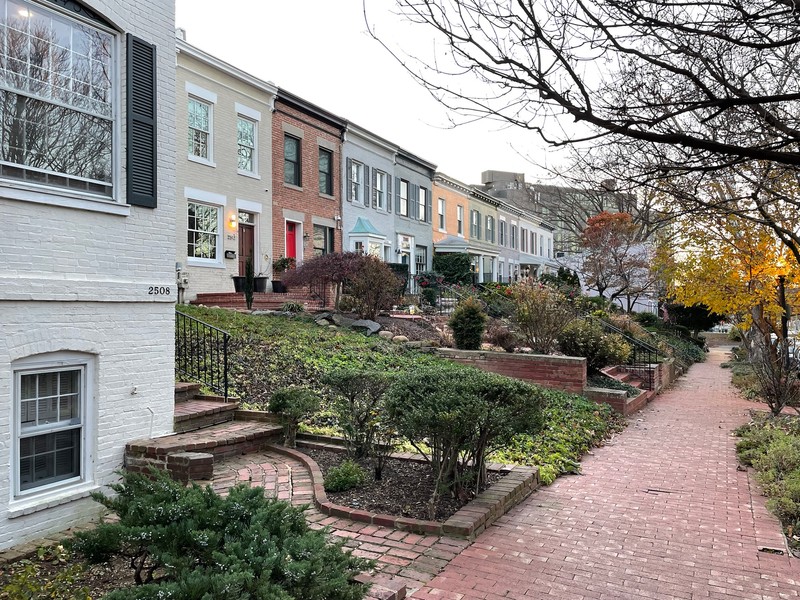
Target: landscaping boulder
(370, 326)
(387, 335)
(322, 322)
(399, 339)
(342, 321)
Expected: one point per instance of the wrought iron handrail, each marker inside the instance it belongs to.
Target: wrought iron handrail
(201, 353)
(643, 355)
(448, 297)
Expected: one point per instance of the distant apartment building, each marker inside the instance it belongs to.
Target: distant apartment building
(565, 209)
(87, 236)
(224, 172)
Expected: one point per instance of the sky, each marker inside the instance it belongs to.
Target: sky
(321, 51)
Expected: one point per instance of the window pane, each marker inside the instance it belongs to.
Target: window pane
(246, 139)
(202, 231)
(49, 458)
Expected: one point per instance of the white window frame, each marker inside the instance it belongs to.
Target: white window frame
(49, 194)
(219, 202)
(380, 189)
(490, 229)
(422, 203)
(523, 240)
(404, 199)
(513, 236)
(209, 98)
(356, 191)
(501, 235)
(460, 220)
(442, 207)
(49, 363)
(252, 116)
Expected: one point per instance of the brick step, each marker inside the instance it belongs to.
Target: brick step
(200, 412)
(225, 439)
(185, 390)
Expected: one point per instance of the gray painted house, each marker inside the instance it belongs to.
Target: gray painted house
(387, 202)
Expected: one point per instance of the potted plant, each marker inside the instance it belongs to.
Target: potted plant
(279, 265)
(260, 283)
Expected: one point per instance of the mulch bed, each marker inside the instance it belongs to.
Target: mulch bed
(404, 490)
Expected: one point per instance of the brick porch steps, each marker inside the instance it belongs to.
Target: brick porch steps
(630, 405)
(198, 413)
(261, 301)
(217, 441)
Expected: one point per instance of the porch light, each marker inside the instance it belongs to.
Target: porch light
(233, 220)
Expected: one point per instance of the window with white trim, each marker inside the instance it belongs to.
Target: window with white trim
(57, 99)
(523, 239)
(513, 236)
(533, 242)
(204, 229)
(475, 225)
(380, 189)
(441, 214)
(404, 197)
(246, 144)
(50, 409)
(356, 192)
(502, 233)
(460, 219)
(490, 229)
(423, 204)
(200, 128)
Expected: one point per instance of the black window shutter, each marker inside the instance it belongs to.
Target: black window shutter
(348, 170)
(142, 114)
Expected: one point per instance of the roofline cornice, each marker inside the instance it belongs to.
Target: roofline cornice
(183, 47)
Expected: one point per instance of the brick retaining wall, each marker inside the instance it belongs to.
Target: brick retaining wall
(561, 372)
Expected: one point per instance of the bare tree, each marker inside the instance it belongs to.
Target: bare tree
(668, 96)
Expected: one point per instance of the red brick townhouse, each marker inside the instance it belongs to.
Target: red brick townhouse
(306, 193)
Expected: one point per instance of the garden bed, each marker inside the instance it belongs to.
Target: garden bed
(404, 490)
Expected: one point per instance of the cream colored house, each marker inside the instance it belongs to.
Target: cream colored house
(224, 172)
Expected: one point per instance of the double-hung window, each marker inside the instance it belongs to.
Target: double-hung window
(404, 187)
(490, 229)
(291, 160)
(514, 236)
(475, 225)
(199, 129)
(204, 232)
(523, 240)
(460, 219)
(50, 404)
(423, 204)
(502, 234)
(441, 214)
(356, 178)
(246, 144)
(379, 189)
(325, 172)
(533, 242)
(57, 99)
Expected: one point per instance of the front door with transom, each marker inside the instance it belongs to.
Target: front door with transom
(247, 240)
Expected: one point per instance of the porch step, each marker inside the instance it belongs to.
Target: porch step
(202, 412)
(185, 390)
(226, 439)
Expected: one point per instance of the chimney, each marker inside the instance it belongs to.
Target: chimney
(180, 33)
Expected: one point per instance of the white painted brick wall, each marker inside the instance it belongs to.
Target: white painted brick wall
(78, 280)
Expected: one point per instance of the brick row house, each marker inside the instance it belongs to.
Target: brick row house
(87, 236)
(306, 150)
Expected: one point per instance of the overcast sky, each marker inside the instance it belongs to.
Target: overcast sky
(321, 51)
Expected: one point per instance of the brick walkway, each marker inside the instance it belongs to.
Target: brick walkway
(661, 512)
(402, 558)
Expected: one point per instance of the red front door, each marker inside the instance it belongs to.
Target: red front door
(291, 240)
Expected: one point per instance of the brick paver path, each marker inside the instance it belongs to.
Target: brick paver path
(400, 557)
(661, 512)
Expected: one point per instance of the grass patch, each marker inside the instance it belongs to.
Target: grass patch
(771, 445)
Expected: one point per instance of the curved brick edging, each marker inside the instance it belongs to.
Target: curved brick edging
(468, 522)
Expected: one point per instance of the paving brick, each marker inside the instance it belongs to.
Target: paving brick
(659, 512)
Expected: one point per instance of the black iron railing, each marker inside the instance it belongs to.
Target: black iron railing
(442, 299)
(644, 358)
(201, 353)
